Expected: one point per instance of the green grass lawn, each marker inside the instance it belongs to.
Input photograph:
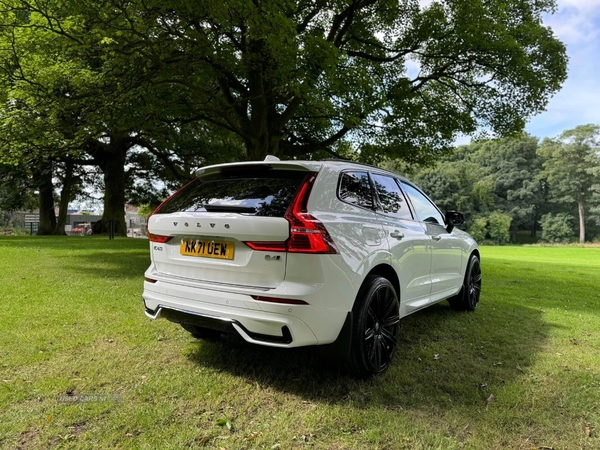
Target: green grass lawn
(523, 372)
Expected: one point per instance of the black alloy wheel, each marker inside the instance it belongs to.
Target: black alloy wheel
(376, 318)
(473, 285)
(468, 297)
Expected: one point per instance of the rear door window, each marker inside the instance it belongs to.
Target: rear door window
(253, 192)
(391, 199)
(355, 188)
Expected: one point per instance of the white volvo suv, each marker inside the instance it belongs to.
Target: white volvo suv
(296, 253)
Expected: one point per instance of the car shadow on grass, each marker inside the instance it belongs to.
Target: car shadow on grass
(443, 358)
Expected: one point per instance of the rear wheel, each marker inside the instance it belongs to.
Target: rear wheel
(201, 332)
(468, 297)
(376, 317)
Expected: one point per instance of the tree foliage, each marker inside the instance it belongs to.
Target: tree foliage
(295, 77)
(292, 77)
(556, 228)
(522, 179)
(179, 79)
(499, 226)
(69, 97)
(455, 183)
(487, 176)
(571, 164)
(16, 191)
(513, 167)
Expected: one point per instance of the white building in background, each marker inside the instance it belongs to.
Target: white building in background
(136, 224)
(79, 222)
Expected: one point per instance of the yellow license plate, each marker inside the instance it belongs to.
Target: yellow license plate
(206, 248)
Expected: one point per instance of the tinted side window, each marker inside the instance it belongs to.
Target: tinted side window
(390, 197)
(355, 189)
(426, 211)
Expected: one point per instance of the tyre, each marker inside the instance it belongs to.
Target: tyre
(375, 323)
(201, 332)
(468, 297)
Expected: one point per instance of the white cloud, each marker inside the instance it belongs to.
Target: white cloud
(576, 21)
(580, 4)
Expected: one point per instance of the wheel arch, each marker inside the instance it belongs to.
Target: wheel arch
(472, 251)
(388, 272)
(341, 348)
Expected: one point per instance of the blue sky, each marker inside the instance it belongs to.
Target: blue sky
(577, 24)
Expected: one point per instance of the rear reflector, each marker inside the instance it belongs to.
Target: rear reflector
(287, 301)
(149, 280)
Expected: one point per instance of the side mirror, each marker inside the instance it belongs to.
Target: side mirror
(454, 218)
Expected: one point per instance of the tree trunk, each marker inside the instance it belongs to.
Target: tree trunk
(581, 221)
(114, 192)
(43, 179)
(111, 159)
(65, 197)
(259, 146)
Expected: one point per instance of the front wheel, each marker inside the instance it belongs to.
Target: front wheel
(468, 297)
(375, 317)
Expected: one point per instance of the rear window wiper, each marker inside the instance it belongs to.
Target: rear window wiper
(230, 208)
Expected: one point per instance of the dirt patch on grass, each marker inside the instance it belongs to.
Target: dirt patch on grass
(29, 439)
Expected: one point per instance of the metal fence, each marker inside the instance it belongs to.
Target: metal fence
(32, 223)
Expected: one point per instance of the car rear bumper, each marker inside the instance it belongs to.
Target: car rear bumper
(258, 322)
(224, 324)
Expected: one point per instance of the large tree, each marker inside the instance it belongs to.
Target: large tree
(77, 88)
(571, 164)
(68, 97)
(16, 191)
(286, 78)
(295, 77)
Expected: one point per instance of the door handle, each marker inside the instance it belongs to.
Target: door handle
(396, 235)
(436, 238)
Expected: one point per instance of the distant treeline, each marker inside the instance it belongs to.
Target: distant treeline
(550, 188)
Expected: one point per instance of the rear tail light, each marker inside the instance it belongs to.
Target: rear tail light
(307, 234)
(158, 238)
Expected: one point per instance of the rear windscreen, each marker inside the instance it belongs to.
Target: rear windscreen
(252, 192)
